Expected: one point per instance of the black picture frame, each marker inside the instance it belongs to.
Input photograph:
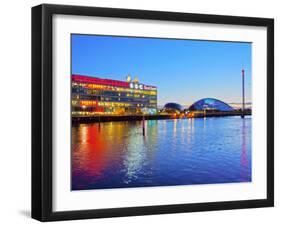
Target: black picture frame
(42, 111)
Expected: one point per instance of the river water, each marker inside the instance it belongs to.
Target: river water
(172, 152)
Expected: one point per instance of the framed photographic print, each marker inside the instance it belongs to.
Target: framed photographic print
(145, 112)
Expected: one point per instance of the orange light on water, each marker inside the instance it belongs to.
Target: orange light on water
(88, 103)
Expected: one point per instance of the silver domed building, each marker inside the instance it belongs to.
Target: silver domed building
(172, 108)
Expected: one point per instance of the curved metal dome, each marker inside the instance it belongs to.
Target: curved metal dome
(172, 107)
(210, 104)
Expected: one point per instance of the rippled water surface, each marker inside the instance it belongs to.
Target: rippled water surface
(173, 152)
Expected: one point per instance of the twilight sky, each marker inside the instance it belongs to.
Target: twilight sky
(184, 71)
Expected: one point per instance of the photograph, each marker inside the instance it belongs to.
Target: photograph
(152, 111)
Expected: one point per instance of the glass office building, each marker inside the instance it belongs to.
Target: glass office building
(97, 96)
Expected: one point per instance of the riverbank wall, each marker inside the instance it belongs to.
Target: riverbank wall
(106, 118)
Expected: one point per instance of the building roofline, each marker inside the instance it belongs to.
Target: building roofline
(103, 81)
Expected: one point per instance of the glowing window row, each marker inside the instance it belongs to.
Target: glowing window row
(112, 88)
(108, 104)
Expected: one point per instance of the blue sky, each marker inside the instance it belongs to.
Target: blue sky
(183, 70)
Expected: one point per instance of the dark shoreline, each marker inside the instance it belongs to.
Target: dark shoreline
(91, 119)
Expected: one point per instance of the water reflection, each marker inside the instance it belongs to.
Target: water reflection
(173, 152)
(244, 158)
(134, 157)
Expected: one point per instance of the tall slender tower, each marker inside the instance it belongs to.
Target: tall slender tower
(243, 94)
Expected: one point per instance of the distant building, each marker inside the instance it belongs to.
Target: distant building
(172, 108)
(237, 106)
(210, 104)
(97, 96)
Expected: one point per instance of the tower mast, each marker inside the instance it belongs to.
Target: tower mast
(243, 93)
